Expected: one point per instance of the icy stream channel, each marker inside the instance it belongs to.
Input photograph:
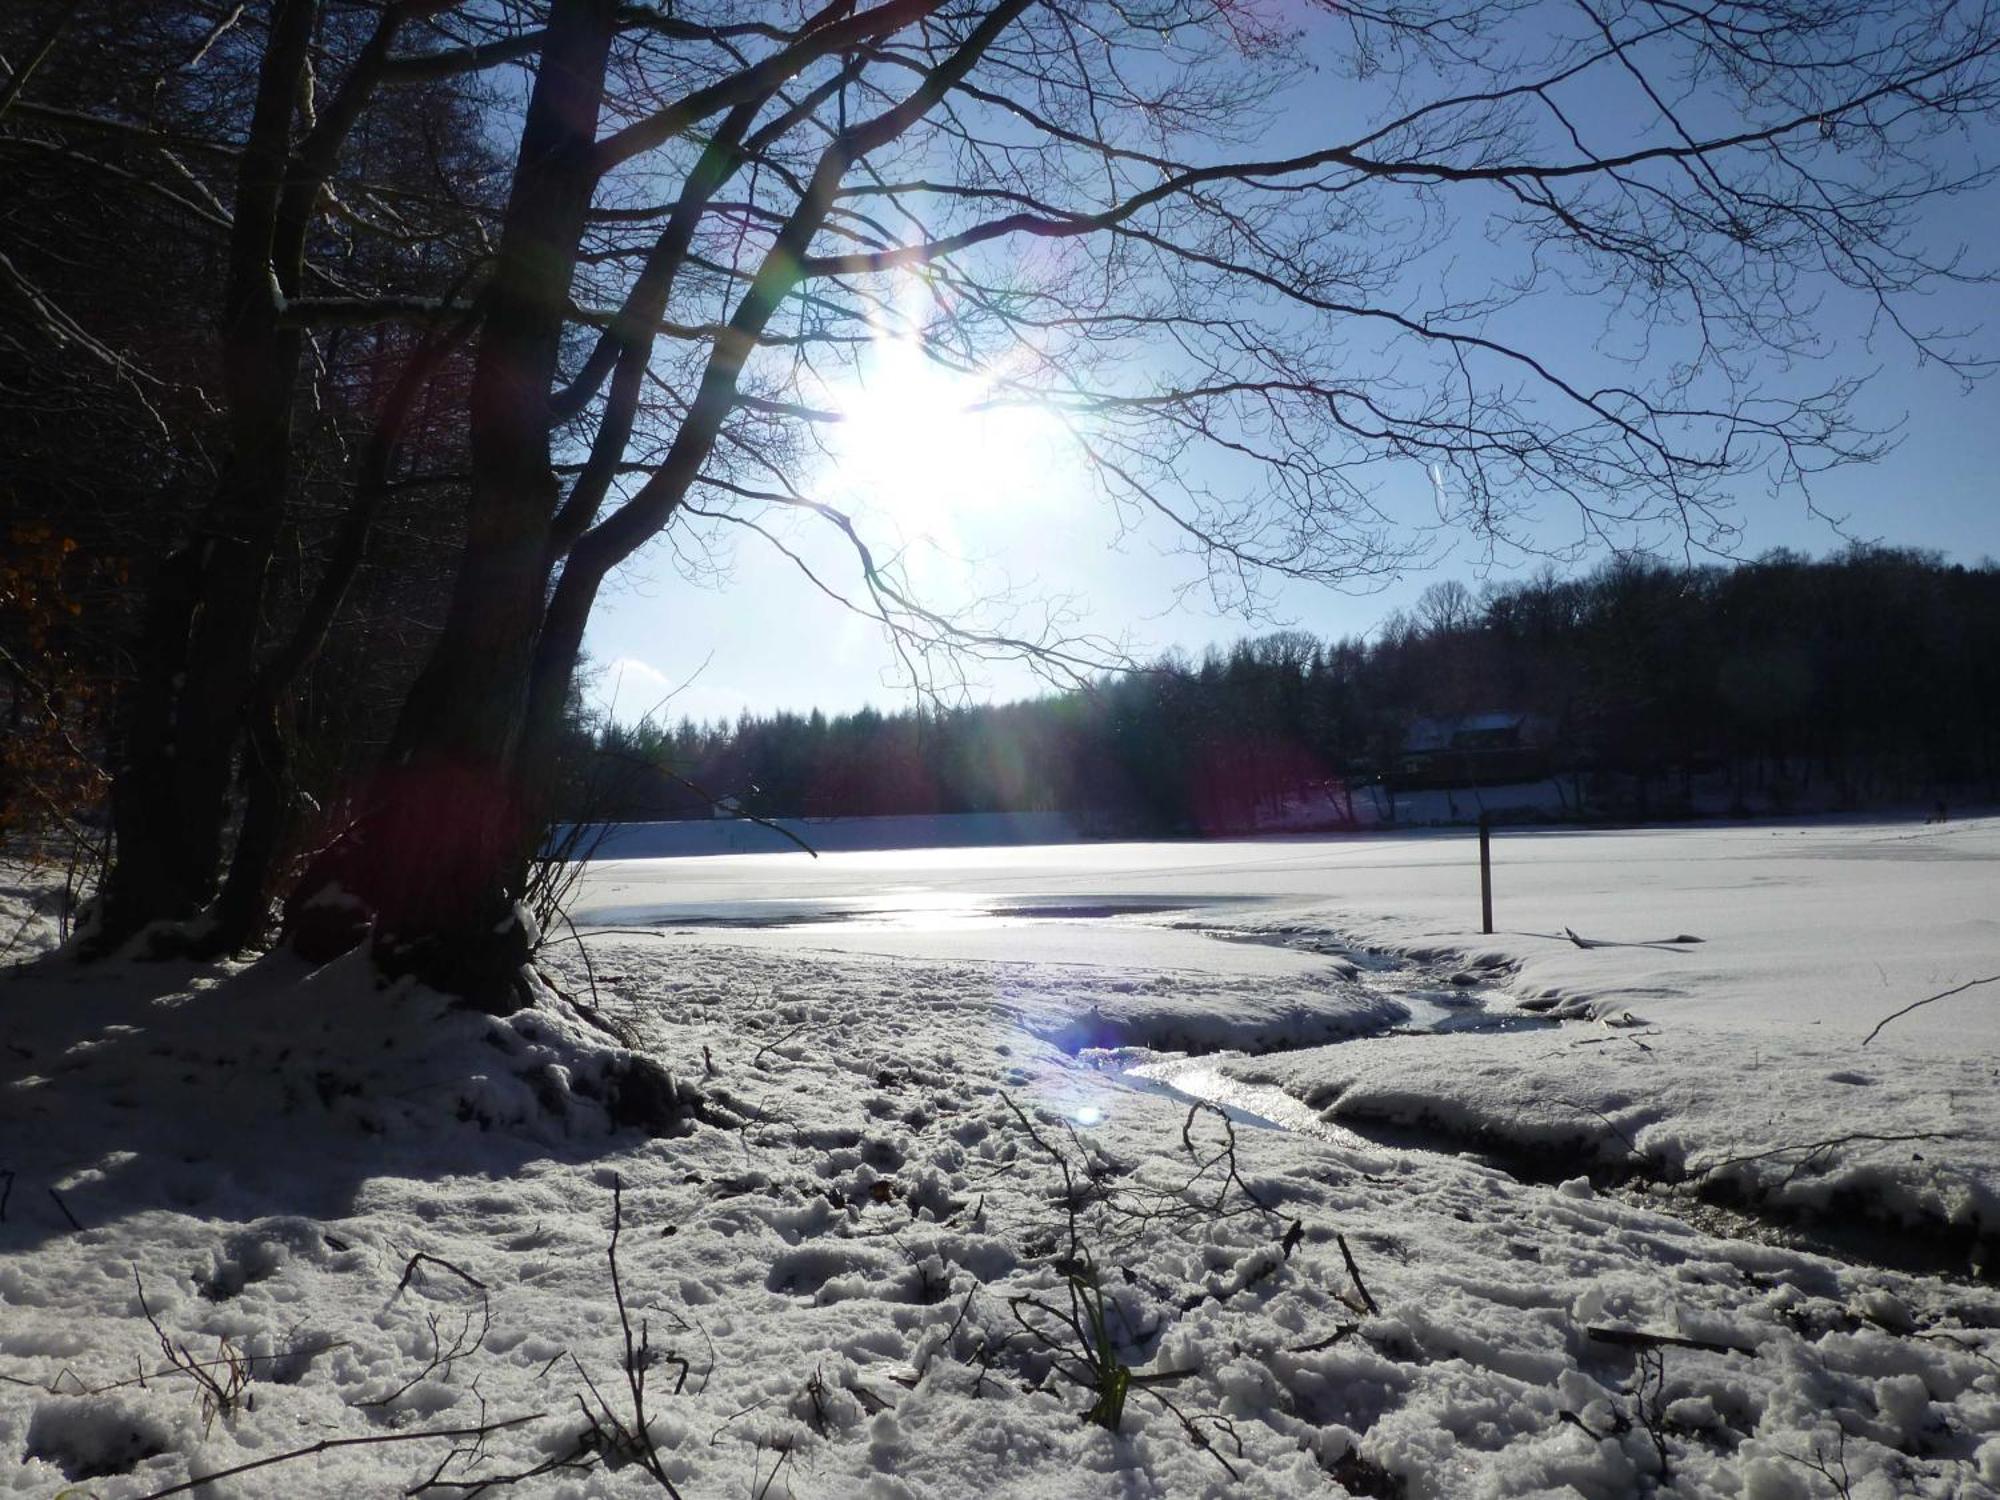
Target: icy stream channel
(1198, 1080)
(1263, 1106)
(1445, 1002)
(1439, 999)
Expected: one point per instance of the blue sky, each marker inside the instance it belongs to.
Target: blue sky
(985, 507)
(769, 642)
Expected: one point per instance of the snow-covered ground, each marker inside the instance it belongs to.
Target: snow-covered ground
(941, 1111)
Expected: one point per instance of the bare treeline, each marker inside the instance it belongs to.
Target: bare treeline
(1646, 689)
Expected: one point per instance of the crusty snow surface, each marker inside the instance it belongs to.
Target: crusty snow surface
(851, 1267)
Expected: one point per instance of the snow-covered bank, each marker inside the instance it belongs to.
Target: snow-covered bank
(1736, 1057)
(1733, 977)
(1904, 1146)
(864, 1278)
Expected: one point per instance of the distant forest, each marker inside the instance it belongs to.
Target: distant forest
(1643, 689)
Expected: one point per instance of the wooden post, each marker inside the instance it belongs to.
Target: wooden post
(1485, 873)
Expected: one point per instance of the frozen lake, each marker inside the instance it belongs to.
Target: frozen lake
(1095, 904)
(1827, 922)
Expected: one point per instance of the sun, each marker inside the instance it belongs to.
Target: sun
(926, 447)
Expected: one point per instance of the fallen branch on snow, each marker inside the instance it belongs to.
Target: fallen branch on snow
(1673, 944)
(327, 1445)
(1354, 1275)
(1637, 1338)
(1815, 1150)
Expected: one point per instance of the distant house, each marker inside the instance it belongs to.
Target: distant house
(1471, 749)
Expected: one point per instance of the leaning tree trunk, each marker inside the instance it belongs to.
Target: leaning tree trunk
(431, 860)
(436, 856)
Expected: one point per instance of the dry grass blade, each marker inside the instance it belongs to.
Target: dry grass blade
(222, 1381)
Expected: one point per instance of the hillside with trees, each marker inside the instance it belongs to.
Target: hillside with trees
(1868, 678)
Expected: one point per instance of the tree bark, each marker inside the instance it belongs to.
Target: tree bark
(195, 700)
(432, 858)
(169, 800)
(242, 910)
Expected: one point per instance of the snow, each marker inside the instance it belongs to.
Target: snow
(31, 898)
(860, 1250)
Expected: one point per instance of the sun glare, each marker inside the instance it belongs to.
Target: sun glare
(925, 447)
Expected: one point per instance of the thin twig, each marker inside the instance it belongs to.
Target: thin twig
(219, 1393)
(589, 969)
(410, 1270)
(638, 1358)
(778, 1043)
(1814, 1149)
(1638, 1338)
(1354, 1275)
(1959, 989)
(327, 1445)
(37, 55)
(1201, 1440)
(1345, 1330)
(65, 1211)
(54, 1387)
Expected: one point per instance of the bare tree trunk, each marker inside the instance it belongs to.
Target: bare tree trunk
(240, 912)
(169, 801)
(433, 853)
(194, 699)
